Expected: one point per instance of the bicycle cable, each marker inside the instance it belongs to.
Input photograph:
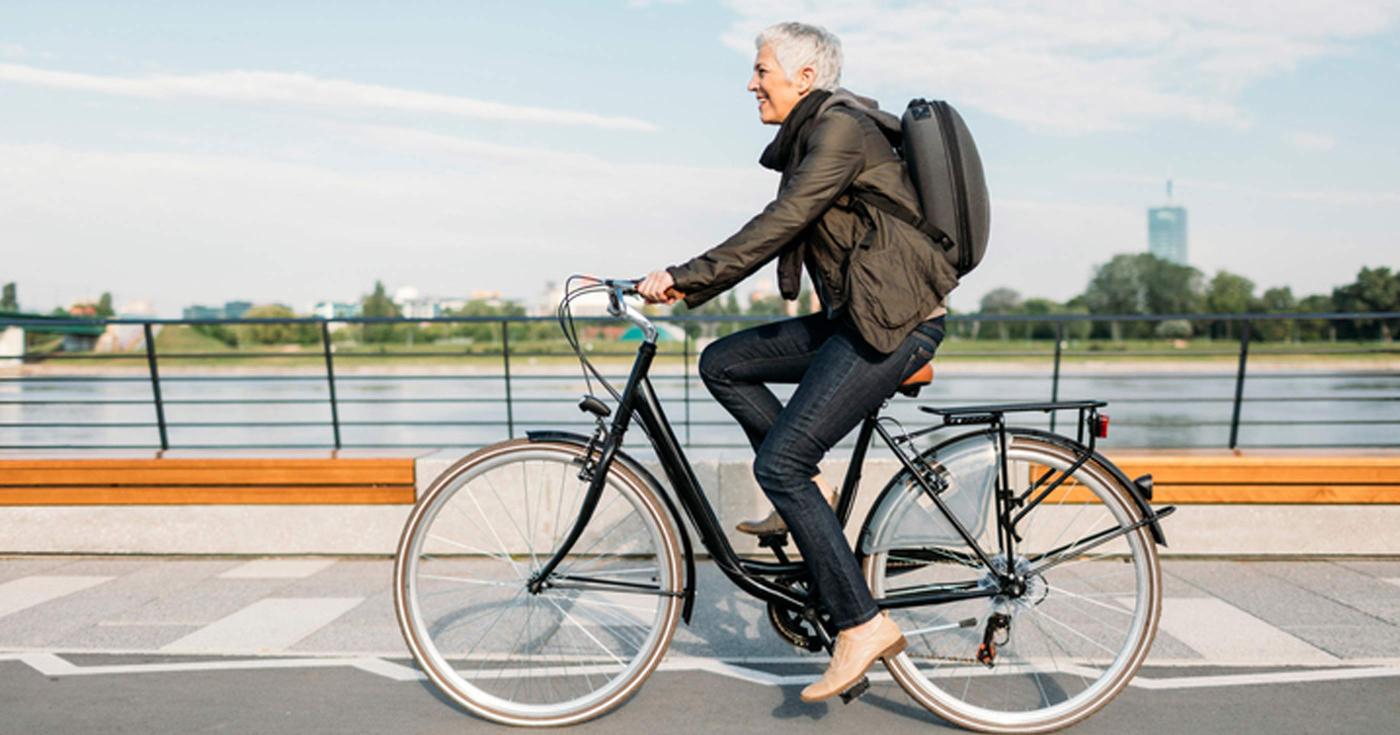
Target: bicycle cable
(564, 313)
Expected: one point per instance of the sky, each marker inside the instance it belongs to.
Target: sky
(180, 153)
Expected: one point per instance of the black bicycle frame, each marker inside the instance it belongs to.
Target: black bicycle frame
(779, 583)
(768, 581)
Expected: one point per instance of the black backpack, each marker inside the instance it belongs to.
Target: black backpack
(947, 173)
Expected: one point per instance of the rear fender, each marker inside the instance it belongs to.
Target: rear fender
(1136, 491)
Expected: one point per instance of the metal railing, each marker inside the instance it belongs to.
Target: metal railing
(33, 385)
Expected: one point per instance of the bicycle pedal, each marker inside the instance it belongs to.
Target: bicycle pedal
(857, 689)
(773, 540)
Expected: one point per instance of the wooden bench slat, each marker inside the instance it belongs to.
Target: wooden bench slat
(196, 463)
(203, 495)
(155, 473)
(1258, 473)
(1250, 494)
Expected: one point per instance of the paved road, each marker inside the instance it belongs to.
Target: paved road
(310, 645)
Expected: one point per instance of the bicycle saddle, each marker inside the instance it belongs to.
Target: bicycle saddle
(921, 377)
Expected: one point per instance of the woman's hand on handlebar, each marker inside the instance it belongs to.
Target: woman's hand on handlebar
(659, 288)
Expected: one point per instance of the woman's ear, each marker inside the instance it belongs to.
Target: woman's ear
(806, 78)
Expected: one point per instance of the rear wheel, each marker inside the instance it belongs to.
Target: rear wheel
(570, 651)
(1026, 660)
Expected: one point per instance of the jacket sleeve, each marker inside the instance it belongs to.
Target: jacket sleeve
(834, 157)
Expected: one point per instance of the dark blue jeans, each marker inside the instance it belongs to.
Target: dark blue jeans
(840, 380)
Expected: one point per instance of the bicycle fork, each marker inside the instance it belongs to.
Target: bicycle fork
(611, 440)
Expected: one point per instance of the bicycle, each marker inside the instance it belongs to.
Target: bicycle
(538, 581)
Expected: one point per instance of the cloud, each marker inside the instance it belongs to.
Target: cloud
(191, 228)
(264, 87)
(1311, 142)
(402, 138)
(1084, 67)
(1347, 198)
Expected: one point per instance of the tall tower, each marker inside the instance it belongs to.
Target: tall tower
(1166, 231)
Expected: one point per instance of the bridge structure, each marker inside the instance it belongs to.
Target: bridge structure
(78, 335)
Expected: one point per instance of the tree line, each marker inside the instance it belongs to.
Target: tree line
(1141, 284)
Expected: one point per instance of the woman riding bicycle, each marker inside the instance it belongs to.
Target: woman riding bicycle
(883, 287)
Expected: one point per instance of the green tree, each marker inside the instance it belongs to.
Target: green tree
(104, 306)
(9, 301)
(1117, 288)
(1001, 301)
(1228, 293)
(275, 333)
(1278, 301)
(1142, 283)
(1309, 329)
(378, 304)
(1078, 329)
(1169, 288)
(1375, 289)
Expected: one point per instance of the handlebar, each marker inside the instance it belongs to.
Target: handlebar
(618, 307)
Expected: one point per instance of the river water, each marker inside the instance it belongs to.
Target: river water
(1323, 406)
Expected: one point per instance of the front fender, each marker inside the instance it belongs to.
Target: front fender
(569, 437)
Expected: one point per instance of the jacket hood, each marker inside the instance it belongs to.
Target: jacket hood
(888, 122)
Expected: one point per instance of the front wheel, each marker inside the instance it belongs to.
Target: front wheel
(552, 654)
(1042, 655)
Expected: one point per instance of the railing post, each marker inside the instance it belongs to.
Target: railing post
(155, 384)
(330, 379)
(505, 358)
(1055, 379)
(1239, 385)
(685, 368)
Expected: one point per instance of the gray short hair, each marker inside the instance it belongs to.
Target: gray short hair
(797, 45)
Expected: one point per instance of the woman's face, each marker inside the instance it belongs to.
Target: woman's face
(776, 92)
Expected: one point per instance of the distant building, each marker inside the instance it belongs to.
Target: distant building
(202, 312)
(236, 309)
(1166, 231)
(336, 310)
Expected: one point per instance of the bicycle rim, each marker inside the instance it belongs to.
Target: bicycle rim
(575, 649)
(1074, 638)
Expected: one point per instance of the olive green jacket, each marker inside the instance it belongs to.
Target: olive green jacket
(888, 275)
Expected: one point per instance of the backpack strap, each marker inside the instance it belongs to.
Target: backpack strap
(898, 211)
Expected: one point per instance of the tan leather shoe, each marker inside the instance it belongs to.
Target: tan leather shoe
(773, 523)
(856, 649)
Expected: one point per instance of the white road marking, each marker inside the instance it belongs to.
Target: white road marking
(1272, 677)
(50, 664)
(271, 624)
(277, 569)
(26, 592)
(1220, 631)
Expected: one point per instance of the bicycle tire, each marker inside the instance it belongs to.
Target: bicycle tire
(629, 633)
(946, 656)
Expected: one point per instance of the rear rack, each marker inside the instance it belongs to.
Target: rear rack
(992, 413)
(992, 408)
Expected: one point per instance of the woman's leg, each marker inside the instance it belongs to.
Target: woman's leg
(846, 380)
(736, 368)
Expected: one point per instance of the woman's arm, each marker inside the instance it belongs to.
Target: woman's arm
(835, 156)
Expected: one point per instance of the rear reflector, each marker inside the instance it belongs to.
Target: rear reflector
(1100, 426)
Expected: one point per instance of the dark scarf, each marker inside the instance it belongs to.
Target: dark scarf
(777, 154)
